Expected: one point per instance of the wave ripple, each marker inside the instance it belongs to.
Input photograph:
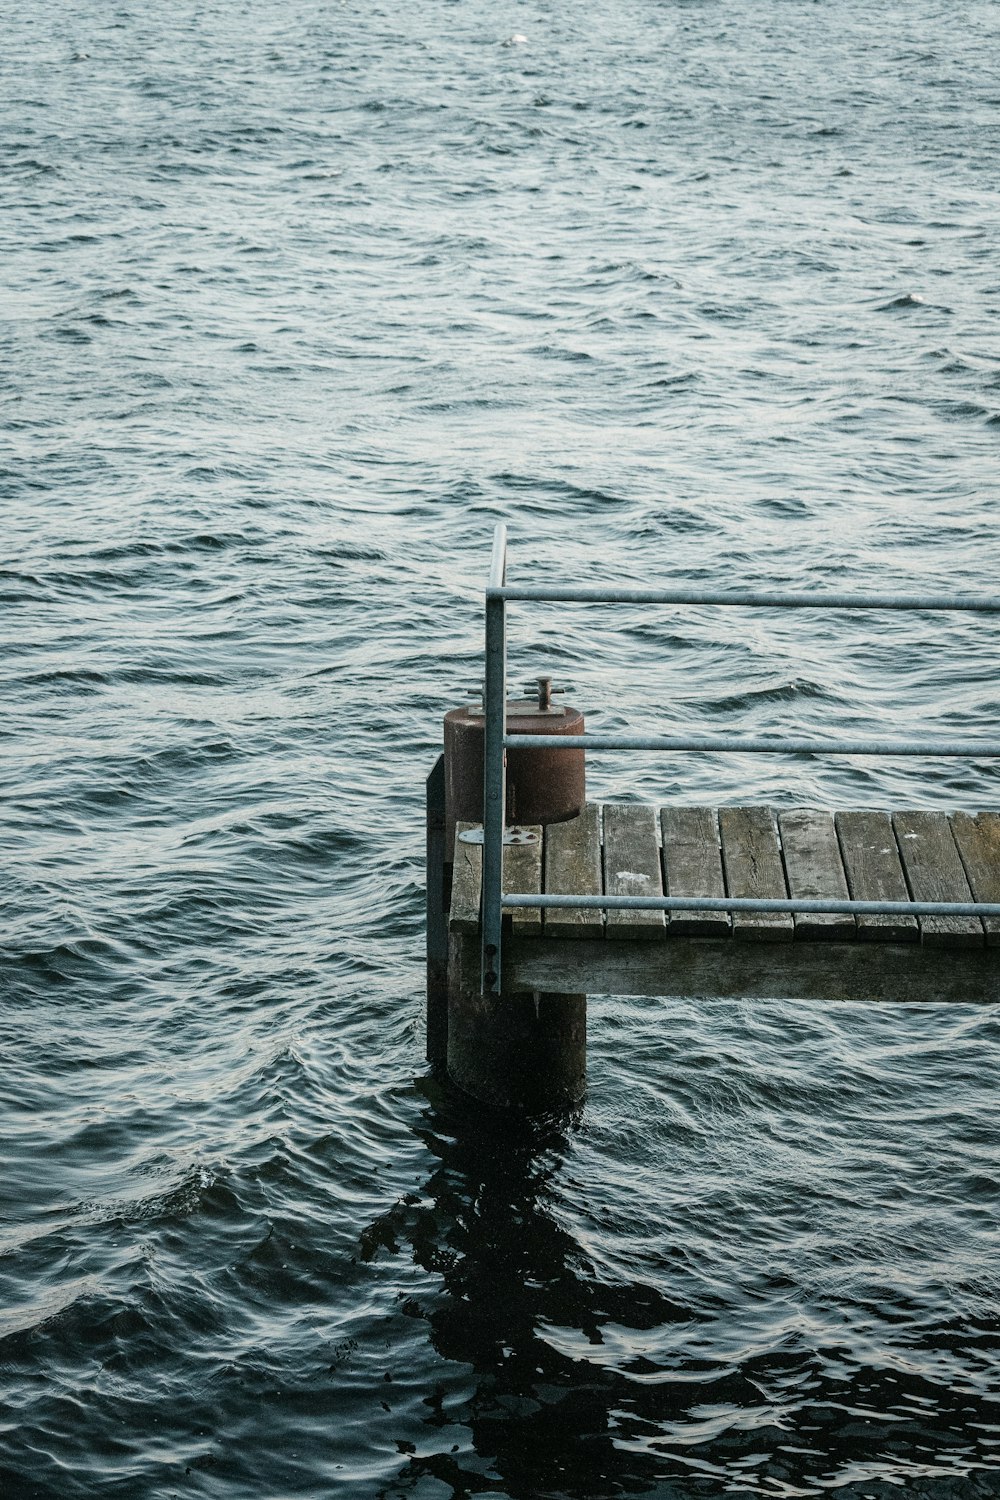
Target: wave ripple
(295, 310)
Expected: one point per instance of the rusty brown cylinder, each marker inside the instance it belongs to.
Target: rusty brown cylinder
(543, 785)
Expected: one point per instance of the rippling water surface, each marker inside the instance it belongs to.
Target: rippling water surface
(299, 299)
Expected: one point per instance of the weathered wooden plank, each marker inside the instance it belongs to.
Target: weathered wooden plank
(632, 868)
(718, 968)
(467, 883)
(573, 868)
(752, 862)
(978, 841)
(522, 876)
(692, 866)
(874, 873)
(934, 872)
(813, 868)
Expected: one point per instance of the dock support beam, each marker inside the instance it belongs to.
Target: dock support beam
(526, 1052)
(437, 919)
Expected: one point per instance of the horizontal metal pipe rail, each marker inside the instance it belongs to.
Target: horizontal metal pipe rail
(499, 594)
(754, 903)
(724, 745)
(742, 600)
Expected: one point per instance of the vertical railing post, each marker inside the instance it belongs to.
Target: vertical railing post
(494, 766)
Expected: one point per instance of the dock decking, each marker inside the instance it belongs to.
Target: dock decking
(727, 902)
(622, 850)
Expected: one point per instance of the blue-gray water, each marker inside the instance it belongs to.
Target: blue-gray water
(298, 298)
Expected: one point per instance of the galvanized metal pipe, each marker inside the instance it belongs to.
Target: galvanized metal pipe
(494, 769)
(498, 594)
(759, 904)
(745, 599)
(498, 559)
(727, 745)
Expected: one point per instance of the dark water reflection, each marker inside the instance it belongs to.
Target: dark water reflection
(544, 1423)
(607, 1419)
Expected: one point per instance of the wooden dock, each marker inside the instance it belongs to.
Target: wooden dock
(622, 850)
(727, 902)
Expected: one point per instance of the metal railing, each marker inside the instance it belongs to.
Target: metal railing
(498, 741)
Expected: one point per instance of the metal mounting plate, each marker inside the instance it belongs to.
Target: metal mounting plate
(511, 836)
